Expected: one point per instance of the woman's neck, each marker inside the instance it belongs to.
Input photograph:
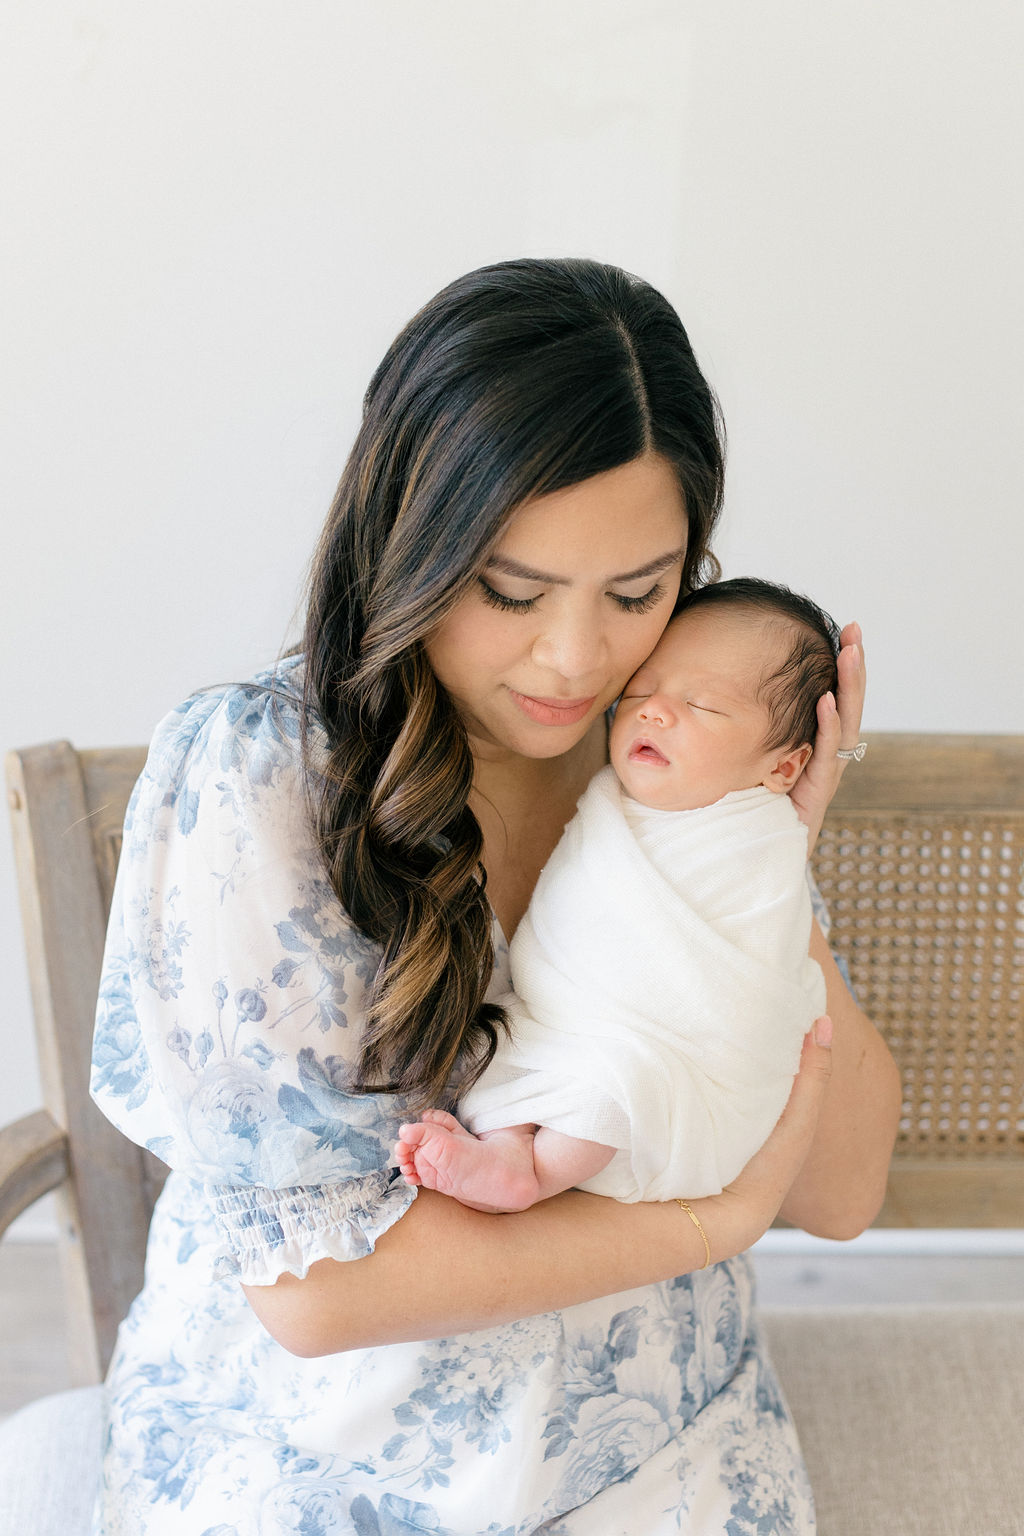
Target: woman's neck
(523, 805)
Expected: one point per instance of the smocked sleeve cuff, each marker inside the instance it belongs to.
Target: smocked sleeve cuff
(266, 1233)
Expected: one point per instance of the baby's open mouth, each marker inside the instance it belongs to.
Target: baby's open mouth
(646, 752)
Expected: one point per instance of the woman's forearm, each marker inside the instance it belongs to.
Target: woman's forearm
(841, 1186)
(445, 1269)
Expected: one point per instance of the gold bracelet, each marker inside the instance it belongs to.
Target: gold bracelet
(696, 1221)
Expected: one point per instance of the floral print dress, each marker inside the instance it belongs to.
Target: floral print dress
(229, 1014)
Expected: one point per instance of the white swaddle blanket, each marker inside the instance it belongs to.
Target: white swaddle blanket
(663, 989)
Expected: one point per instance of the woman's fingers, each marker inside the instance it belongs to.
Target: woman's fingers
(746, 1208)
(839, 718)
(813, 790)
(852, 684)
(800, 1116)
(770, 1173)
(823, 759)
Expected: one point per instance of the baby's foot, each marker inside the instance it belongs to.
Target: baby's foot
(422, 1146)
(495, 1174)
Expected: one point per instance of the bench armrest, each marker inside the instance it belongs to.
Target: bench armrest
(33, 1160)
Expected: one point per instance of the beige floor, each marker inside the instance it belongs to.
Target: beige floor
(33, 1340)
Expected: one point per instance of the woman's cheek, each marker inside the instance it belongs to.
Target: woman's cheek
(652, 626)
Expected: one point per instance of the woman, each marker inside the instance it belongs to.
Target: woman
(320, 873)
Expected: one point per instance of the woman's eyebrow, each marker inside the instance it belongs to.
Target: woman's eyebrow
(510, 567)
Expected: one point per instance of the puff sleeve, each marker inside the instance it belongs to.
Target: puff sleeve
(232, 993)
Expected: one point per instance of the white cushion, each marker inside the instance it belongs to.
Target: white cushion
(50, 1465)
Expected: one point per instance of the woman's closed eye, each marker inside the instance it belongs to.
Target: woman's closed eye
(503, 601)
(642, 604)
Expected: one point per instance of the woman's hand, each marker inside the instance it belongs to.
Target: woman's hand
(746, 1208)
(838, 726)
(842, 1182)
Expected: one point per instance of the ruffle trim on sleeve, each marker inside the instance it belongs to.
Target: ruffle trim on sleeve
(270, 1232)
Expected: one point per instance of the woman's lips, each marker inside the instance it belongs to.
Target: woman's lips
(553, 711)
(643, 751)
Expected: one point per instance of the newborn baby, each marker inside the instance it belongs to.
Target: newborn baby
(662, 981)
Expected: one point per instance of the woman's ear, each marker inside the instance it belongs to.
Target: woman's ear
(787, 769)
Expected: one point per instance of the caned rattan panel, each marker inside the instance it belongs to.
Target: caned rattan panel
(928, 912)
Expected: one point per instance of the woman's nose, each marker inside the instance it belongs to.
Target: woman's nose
(571, 644)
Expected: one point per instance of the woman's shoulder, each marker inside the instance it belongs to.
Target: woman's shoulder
(249, 732)
(264, 711)
(236, 744)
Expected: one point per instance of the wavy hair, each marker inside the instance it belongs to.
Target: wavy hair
(516, 380)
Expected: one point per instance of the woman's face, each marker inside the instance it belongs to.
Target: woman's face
(574, 596)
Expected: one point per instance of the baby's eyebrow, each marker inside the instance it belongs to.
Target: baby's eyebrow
(510, 567)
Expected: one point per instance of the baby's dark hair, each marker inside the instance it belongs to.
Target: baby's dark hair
(791, 692)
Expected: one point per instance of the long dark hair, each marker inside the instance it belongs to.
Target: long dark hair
(516, 380)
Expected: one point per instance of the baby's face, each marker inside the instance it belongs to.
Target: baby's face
(690, 727)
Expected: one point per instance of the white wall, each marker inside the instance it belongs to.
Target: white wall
(216, 217)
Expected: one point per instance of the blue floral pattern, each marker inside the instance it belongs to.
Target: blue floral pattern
(232, 990)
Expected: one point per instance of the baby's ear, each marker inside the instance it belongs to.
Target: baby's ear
(788, 769)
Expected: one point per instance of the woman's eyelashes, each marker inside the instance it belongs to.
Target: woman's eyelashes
(506, 604)
(642, 604)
